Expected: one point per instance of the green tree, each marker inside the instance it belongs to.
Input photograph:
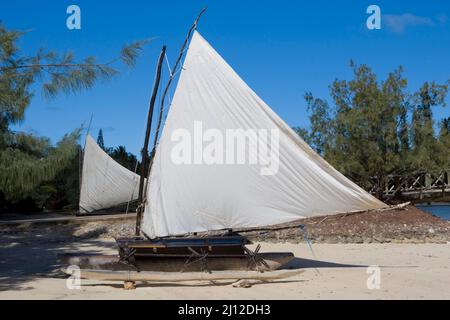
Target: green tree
(444, 128)
(303, 133)
(425, 144)
(403, 133)
(100, 141)
(368, 114)
(366, 134)
(126, 159)
(319, 134)
(63, 191)
(27, 161)
(444, 143)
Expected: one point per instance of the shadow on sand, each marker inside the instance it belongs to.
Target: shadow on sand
(27, 254)
(30, 253)
(300, 263)
(296, 263)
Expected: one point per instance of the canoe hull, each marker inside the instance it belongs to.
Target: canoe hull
(273, 261)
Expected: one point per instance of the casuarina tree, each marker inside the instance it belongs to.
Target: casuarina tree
(26, 160)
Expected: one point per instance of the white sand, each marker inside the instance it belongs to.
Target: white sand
(408, 271)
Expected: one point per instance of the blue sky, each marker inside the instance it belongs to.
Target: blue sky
(280, 48)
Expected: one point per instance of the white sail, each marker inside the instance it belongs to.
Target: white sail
(104, 182)
(212, 192)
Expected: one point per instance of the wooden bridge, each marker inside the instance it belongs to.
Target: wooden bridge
(418, 184)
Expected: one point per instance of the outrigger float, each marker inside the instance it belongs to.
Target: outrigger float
(280, 182)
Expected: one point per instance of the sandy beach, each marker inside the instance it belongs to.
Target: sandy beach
(336, 271)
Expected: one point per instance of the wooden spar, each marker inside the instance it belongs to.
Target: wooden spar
(147, 138)
(166, 90)
(80, 168)
(107, 275)
(81, 162)
(171, 77)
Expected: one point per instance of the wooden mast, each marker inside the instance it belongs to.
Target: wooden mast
(81, 164)
(173, 72)
(140, 209)
(159, 121)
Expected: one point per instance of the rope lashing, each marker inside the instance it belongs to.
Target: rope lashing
(168, 65)
(308, 241)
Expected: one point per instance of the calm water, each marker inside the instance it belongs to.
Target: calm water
(440, 210)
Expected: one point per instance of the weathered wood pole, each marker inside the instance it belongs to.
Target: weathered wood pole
(173, 72)
(132, 276)
(140, 209)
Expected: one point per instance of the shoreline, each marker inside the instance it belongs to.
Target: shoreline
(398, 225)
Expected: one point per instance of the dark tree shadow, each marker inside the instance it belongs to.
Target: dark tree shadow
(30, 252)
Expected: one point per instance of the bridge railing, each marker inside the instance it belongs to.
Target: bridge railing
(417, 182)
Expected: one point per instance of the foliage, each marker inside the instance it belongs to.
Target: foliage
(28, 161)
(100, 141)
(29, 165)
(126, 159)
(376, 128)
(426, 145)
(444, 141)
